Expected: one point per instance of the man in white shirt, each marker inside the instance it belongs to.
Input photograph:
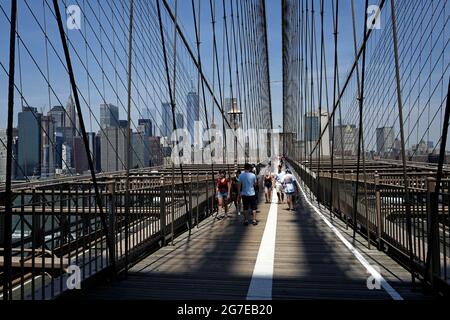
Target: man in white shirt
(279, 184)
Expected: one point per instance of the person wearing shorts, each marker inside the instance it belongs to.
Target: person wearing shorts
(290, 188)
(246, 191)
(223, 191)
(234, 191)
(268, 186)
(279, 184)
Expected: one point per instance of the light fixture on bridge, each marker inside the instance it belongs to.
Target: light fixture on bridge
(235, 116)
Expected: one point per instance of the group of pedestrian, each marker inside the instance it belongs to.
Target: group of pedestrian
(242, 187)
(285, 185)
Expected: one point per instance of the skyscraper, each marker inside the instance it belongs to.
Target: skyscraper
(109, 116)
(30, 142)
(71, 120)
(94, 148)
(48, 146)
(179, 119)
(156, 158)
(167, 120)
(312, 127)
(98, 152)
(113, 149)
(80, 160)
(59, 116)
(66, 158)
(154, 117)
(346, 140)
(3, 150)
(314, 123)
(59, 141)
(385, 141)
(193, 112)
(123, 124)
(140, 151)
(146, 126)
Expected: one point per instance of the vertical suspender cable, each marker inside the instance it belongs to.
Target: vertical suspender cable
(311, 105)
(348, 78)
(197, 37)
(83, 131)
(361, 149)
(128, 158)
(284, 13)
(266, 40)
(229, 69)
(7, 241)
(172, 101)
(320, 100)
(335, 79)
(174, 120)
(360, 99)
(402, 137)
(435, 196)
(221, 94)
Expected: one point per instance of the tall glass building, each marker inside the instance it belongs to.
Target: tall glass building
(167, 120)
(109, 116)
(30, 143)
(193, 112)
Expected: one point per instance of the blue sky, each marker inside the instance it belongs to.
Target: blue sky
(36, 91)
(36, 94)
(273, 7)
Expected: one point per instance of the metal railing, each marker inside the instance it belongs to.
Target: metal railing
(59, 240)
(380, 216)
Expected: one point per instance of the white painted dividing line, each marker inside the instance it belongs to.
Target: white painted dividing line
(262, 278)
(375, 274)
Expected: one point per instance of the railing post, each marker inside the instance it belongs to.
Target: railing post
(354, 213)
(327, 192)
(2, 222)
(112, 218)
(210, 206)
(189, 214)
(197, 194)
(162, 210)
(432, 231)
(378, 210)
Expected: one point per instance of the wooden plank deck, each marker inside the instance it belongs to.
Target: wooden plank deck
(218, 259)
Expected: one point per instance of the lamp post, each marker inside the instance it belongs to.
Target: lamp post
(236, 117)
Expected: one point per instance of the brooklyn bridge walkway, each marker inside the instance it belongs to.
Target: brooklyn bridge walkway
(288, 255)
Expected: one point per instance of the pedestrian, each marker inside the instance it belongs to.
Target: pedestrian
(235, 191)
(223, 190)
(268, 186)
(290, 188)
(246, 191)
(255, 172)
(279, 184)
